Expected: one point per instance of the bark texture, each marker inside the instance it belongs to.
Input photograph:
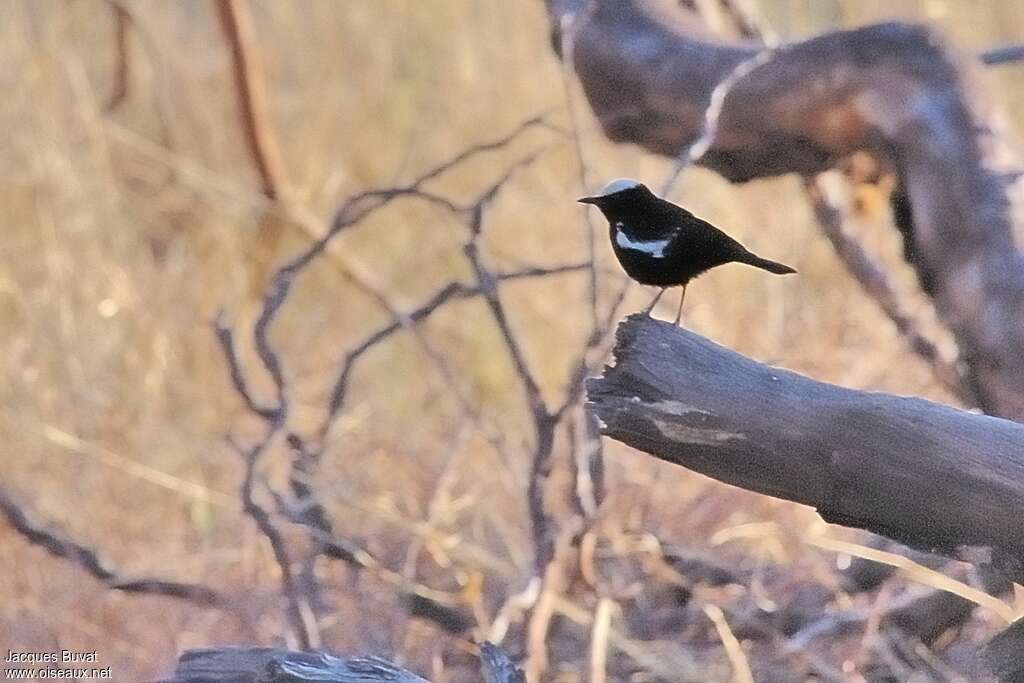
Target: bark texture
(933, 477)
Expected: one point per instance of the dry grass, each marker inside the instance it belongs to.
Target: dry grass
(125, 232)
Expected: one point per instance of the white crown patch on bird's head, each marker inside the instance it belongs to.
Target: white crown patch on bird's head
(616, 190)
(619, 185)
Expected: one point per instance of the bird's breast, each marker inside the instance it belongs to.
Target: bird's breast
(652, 261)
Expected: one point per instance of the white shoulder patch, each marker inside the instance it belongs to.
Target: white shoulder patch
(653, 248)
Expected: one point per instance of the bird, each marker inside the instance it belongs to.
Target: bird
(658, 243)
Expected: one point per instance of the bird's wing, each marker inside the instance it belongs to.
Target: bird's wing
(700, 231)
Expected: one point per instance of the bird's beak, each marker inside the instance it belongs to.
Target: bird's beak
(588, 200)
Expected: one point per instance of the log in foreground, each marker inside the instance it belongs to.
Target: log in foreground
(273, 665)
(924, 474)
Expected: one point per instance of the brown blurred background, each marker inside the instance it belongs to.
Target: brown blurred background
(128, 227)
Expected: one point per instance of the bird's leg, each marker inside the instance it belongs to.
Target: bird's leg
(679, 314)
(655, 302)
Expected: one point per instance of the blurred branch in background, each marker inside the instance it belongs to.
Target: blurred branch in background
(240, 35)
(803, 107)
(875, 282)
(487, 286)
(122, 65)
(1003, 55)
(127, 25)
(871, 86)
(823, 195)
(89, 559)
(413, 494)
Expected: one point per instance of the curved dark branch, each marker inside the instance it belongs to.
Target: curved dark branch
(59, 545)
(649, 71)
(453, 291)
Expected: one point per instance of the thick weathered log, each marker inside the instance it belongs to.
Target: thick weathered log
(274, 665)
(649, 69)
(924, 474)
(1003, 653)
(497, 667)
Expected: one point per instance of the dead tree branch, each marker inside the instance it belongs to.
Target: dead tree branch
(122, 64)
(1003, 55)
(893, 90)
(299, 611)
(270, 665)
(59, 545)
(237, 26)
(873, 279)
(299, 585)
(851, 455)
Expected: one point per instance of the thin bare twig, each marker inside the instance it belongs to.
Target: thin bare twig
(1003, 55)
(488, 287)
(122, 64)
(873, 279)
(225, 337)
(705, 140)
(740, 666)
(352, 212)
(570, 24)
(59, 545)
(543, 421)
(299, 612)
(237, 26)
(453, 291)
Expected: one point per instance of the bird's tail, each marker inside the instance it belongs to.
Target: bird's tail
(765, 264)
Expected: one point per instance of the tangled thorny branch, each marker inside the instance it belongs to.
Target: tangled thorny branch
(272, 509)
(301, 505)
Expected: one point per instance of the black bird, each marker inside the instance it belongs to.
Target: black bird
(661, 244)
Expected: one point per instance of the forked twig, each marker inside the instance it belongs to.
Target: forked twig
(306, 508)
